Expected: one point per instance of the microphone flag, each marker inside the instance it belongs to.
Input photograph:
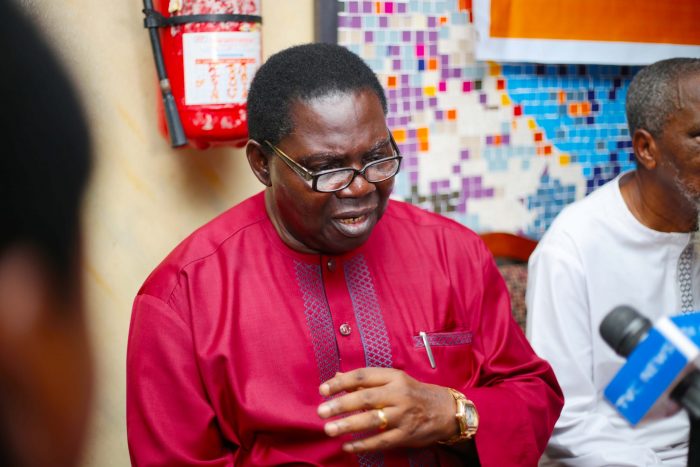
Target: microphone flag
(655, 365)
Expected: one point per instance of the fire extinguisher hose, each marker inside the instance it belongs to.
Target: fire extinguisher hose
(172, 116)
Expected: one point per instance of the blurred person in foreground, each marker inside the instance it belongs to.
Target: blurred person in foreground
(320, 323)
(45, 366)
(631, 242)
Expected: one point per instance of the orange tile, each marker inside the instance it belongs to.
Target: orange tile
(540, 150)
(465, 5)
(391, 81)
(538, 136)
(548, 150)
(443, 20)
(422, 134)
(432, 64)
(452, 114)
(399, 135)
(423, 146)
(378, 7)
(497, 140)
(494, 69)
(585, 108)
(574, 109)
(562, 97)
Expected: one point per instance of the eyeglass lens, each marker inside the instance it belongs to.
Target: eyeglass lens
(374, 172)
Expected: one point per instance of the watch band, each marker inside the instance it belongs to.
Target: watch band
(467, 418)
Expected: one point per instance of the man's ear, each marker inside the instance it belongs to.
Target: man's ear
(258, 161)
(645, 149)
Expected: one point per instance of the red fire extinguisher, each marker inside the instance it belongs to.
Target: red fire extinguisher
(206, 54)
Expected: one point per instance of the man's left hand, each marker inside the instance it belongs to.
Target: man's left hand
(415, 414)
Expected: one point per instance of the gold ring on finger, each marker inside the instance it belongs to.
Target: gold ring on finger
(383, 421)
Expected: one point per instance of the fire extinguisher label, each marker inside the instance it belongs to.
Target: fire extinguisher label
(219, 66)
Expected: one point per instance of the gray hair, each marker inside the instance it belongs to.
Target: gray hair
(653, 94)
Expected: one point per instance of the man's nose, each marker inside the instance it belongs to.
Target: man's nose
(359, 187)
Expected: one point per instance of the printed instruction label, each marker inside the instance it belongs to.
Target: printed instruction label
(219, 66)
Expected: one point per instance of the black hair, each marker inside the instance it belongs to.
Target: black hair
(45, 155)
(302, 73)
(652, 95)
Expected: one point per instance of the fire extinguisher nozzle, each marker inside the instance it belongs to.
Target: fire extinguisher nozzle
(172, 116)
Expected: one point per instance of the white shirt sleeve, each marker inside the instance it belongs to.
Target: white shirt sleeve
(560, 330)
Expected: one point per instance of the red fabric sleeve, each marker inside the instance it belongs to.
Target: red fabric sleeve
(518, 397)
(169, 419)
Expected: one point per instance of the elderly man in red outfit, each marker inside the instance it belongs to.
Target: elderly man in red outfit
(320, 323)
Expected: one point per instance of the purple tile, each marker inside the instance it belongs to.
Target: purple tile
(383, 22)
(406, 36)
(343, 21)
(396, 64)
(405, 92)
(444, 184)
(482, 98)
(456, 169)
(411, 161)
(414, 177)
(420, 37)
(366, 7)
(456, 73)
(432, 36)
(356, 22)
(413, 148)
(404, 120)
(433, 187)
(505, 139)
(489, 140)
(431, 21)
(464, 154)
(445, 73)
(432, 50)
(406, 106)
(393, 108)
(391, 121)
(419, 105)
(412, 133)
(438, 115)
(432, 102)
(391, 94)
(488, 192)
(369, 36)
(401, 7)
(417, 92)
(353, 7)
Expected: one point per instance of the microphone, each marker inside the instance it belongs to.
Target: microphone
(631, 334)
(623, 328)
(660, 362)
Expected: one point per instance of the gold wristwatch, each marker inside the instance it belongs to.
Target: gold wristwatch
(467, 418)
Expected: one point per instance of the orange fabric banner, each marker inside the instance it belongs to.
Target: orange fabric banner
(645, 21)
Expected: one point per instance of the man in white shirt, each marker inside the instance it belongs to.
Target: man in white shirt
(631, 243)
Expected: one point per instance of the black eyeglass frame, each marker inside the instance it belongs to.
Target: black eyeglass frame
(312, 177)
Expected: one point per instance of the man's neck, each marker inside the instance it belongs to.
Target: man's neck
(651, 205)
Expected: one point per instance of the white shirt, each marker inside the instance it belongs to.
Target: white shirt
(594, 257)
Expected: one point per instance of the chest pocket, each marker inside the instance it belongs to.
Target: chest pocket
(448, 350)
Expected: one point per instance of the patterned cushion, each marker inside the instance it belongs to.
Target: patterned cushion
(515, 276)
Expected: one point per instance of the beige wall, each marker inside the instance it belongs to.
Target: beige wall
(144, 197)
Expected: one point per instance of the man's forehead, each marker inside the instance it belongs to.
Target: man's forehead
(687, 90)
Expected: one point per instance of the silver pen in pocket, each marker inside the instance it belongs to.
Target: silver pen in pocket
(428, 350)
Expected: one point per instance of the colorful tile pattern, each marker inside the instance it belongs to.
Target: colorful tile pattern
(495, 146)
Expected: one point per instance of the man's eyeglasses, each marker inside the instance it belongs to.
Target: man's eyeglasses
(329, 181)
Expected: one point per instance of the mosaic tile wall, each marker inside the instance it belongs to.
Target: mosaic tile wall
(496, 146)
